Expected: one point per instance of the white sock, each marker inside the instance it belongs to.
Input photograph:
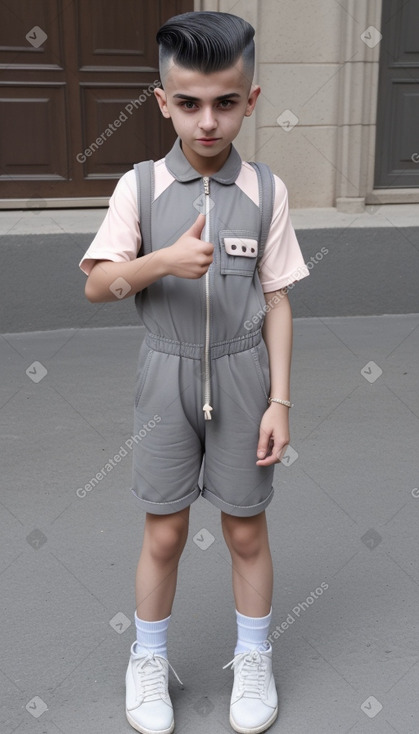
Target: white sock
(252, 632)
(152, 636)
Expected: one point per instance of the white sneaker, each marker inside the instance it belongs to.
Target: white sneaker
(149, 709)
(254, 700)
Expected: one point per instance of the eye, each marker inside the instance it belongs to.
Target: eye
(226, 104)
(188, 105)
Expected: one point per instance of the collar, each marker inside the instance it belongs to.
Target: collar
(179, 166)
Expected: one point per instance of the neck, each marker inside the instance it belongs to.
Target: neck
(205, 166)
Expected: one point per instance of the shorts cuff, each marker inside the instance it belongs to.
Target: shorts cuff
(167, 508)
(237, 510)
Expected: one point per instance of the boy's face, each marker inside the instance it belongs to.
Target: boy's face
(207, 111)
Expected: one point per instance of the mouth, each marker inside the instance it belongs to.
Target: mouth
(208, 141)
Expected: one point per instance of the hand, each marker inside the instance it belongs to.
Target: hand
(189, 257)
(274, 435)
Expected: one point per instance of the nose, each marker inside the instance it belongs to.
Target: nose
(207, 121)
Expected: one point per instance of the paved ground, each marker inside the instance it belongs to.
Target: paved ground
(343, 521)
(345, 516)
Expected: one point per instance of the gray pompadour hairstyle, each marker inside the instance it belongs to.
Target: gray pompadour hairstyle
(207, 42)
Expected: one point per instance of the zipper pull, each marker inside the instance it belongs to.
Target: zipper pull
(206, 185)
(207, 411)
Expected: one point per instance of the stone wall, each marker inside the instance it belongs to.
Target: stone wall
(315, 119)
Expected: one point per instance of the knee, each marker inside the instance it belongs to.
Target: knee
(166, 539)
(243, 537)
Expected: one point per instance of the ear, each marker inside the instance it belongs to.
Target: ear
(251, 102)
(161, 97)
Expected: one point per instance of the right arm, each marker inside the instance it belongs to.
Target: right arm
(188, 257)
(138, 274)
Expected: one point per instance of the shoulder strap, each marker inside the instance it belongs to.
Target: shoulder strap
(266, 202)
(144, 172)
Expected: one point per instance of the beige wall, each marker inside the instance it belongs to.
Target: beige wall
(318, 75)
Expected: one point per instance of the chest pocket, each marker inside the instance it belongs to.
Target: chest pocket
(239, 252)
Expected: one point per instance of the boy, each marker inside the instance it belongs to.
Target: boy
(218, 384)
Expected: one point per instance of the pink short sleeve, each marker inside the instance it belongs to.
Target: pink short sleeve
(118, 238)
(282, 262)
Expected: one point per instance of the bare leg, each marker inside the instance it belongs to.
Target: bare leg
(164, 539)
(248, 543)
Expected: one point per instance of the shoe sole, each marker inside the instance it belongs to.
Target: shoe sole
(257, 729)
(143, 730)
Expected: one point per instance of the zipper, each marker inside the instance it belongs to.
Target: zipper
(207, 375)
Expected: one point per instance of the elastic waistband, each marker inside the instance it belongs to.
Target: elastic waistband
(196, 351)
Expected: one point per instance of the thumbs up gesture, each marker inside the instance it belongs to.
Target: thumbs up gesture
(189, 256)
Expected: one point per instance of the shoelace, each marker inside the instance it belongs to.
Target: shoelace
(151, 677)
(251, 673)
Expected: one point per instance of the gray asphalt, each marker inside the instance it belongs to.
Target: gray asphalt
(367, 271)
(345, 512)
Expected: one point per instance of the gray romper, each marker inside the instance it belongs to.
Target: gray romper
(203, 376)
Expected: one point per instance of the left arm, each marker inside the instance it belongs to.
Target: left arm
(274, 427)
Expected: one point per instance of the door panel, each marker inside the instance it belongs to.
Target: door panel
(76, 102)
(397, 150)
(18, 18)
(114, 128)
(32, 133)
(117, 34)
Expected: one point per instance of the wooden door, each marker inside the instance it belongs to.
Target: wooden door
(76, 102)
(397, 149)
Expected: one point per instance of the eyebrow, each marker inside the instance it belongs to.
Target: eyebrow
(196, 99)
